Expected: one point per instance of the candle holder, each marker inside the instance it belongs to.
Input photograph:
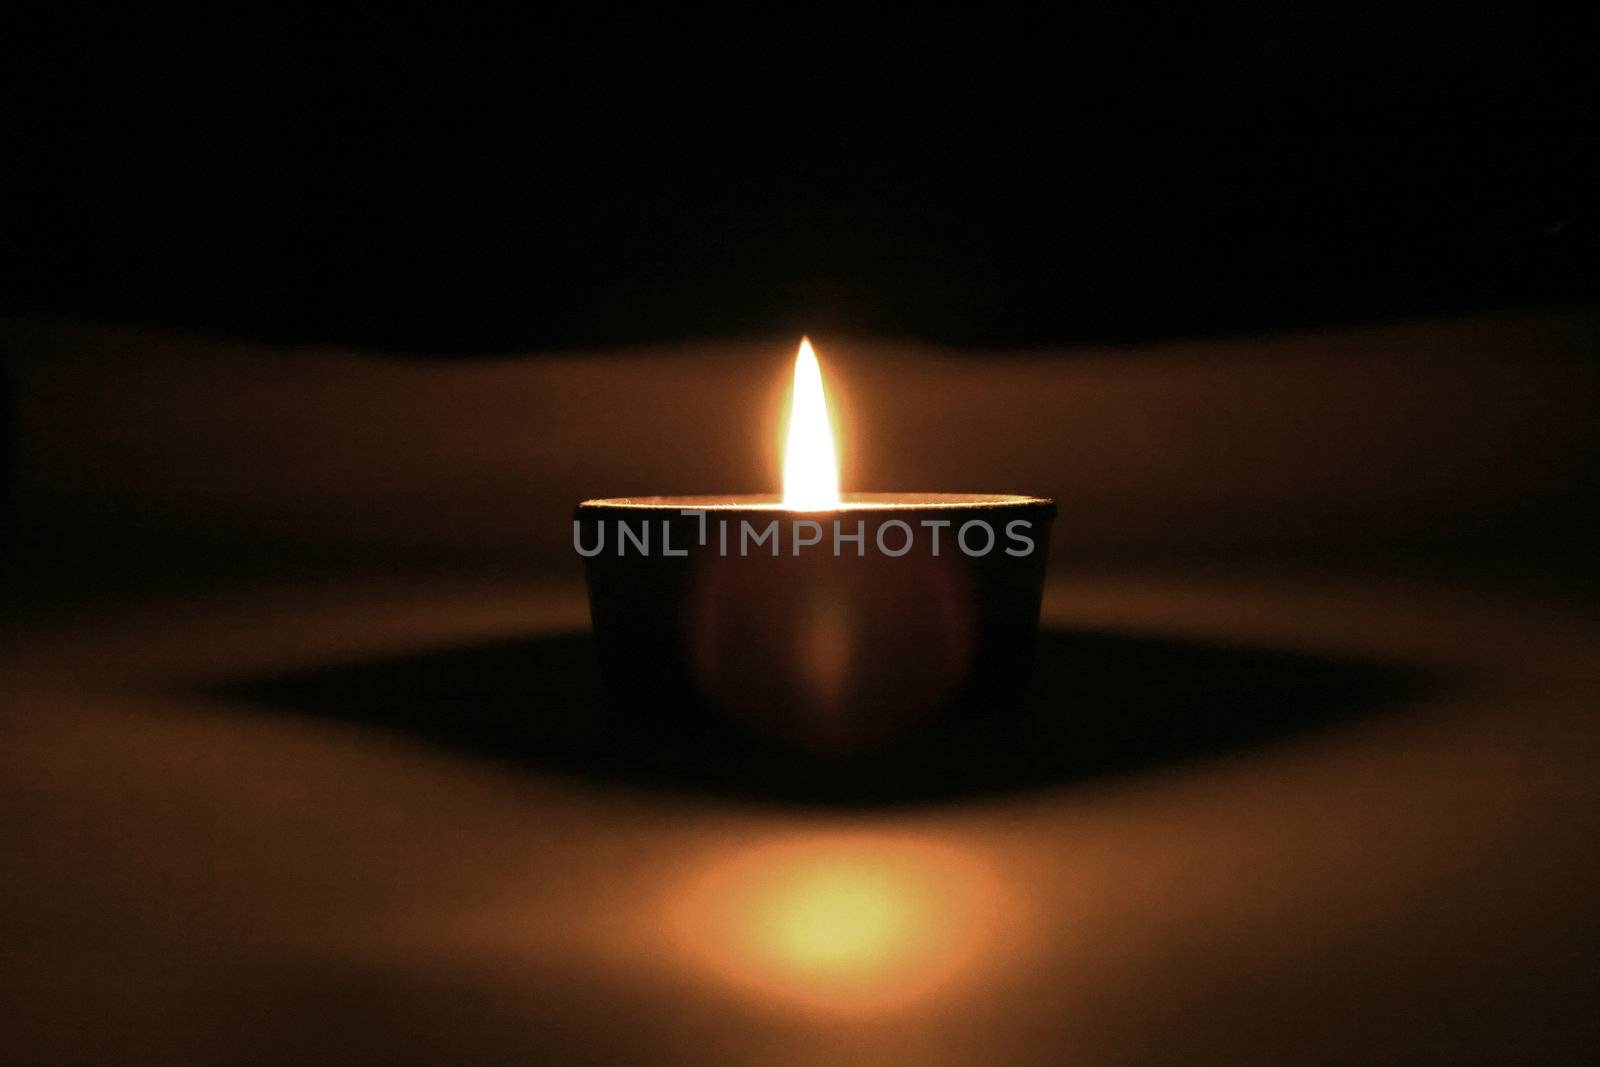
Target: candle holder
(833, 632)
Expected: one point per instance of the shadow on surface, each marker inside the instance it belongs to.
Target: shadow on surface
(1099, 704)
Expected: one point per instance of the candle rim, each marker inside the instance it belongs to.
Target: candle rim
(873, 501)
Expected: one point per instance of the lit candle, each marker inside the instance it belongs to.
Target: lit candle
(834, 622)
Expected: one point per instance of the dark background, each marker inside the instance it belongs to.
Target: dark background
(415, 177)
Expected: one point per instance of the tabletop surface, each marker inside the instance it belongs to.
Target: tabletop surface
(239, 825)
(302, 755)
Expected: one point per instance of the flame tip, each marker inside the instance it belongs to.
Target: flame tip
(810, 468)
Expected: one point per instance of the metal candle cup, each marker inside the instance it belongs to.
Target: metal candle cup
(835, 631)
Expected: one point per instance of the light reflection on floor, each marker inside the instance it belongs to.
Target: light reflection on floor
(843, 922)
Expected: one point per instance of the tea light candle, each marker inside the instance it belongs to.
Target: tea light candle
(833, 622)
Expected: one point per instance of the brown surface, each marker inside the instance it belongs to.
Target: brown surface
(194, 874)
(1416, 432)
(195, 878)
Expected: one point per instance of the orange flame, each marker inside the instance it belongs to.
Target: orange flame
(810, 466)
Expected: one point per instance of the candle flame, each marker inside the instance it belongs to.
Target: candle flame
(810, 467)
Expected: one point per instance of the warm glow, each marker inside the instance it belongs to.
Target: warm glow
(810, 468)
(843, 923)
(842, 920)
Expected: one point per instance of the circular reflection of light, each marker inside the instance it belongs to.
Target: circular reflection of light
(846, 922)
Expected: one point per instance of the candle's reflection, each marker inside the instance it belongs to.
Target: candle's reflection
(814, 649)
(841, 922)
